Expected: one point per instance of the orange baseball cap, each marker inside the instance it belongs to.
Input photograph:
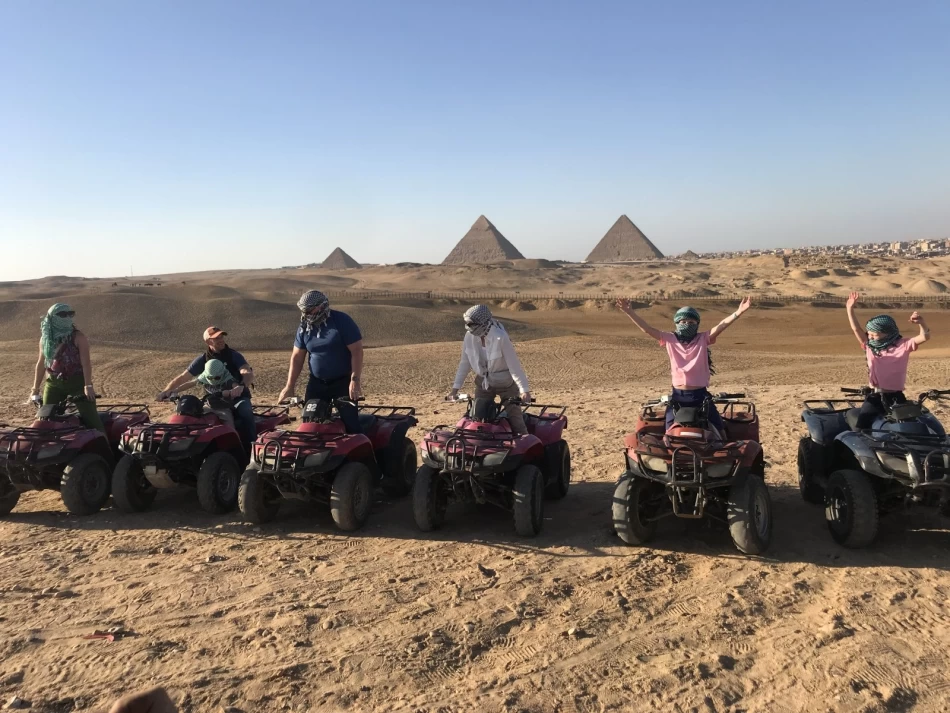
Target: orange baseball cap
(213, 332)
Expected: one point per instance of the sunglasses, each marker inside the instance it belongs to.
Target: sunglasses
(64, 313)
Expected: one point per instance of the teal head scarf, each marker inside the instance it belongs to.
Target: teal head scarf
(685, 332)
(215, 375)
(885, 325)
(55, 329)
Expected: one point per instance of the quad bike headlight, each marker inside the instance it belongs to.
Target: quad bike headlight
(315, 460)
(50, 451)
(494, 459)
(897, 464)
(180, 445)
(718, 470)
(655, 464)
(437, 453)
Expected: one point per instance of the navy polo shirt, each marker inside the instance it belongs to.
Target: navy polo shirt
(232, 359)
(328, 345)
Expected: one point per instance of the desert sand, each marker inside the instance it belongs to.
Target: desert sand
(298, 616)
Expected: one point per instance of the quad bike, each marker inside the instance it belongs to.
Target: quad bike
(480, 460)
(691, 471)
(860, 474)
(197, 446)
(57, 452)
(320, 462)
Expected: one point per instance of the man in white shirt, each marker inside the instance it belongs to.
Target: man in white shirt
(487, 350)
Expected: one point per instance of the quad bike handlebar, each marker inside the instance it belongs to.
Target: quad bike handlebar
(931, 395)
(300, 403)
(37, 400)
(468, 398)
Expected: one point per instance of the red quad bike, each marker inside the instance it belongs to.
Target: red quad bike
(57, 452)
(320, 462)
(481, 461)
(691, 471)
(197, 446)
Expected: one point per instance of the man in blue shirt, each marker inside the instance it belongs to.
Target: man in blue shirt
(335, 348)
(242, 374)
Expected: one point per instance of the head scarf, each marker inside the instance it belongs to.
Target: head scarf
(479, 320)
(886, 325)
(686, 332)
(54, 330)
(215, 374)
(310, 317)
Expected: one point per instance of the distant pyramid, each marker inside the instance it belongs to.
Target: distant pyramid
(623, 241)
(689, 255)
(483, 243)
(337, 260)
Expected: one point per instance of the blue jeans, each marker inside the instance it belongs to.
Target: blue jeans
(693, 398)
(245, 424)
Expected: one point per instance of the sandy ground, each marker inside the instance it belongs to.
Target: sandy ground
(297, 616)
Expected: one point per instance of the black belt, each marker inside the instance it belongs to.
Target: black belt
(328, 381)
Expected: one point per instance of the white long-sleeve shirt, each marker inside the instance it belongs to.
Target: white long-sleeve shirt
(491, 363)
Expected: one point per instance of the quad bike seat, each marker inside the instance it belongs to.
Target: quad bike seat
(851, 418)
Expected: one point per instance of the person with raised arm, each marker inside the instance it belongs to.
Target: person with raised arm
(888, 354)
(688, 349)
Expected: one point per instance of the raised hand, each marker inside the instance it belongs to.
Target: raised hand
(744, 305)
(853, 299)
(916, 318)
(625, 306)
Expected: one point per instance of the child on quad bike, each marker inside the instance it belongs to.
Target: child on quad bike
(487, 350)
(235, 388)
(888, 354)
(218, 381)
(332, 344)
(690, 360)
(64, 358)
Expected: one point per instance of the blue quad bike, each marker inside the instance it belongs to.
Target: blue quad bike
(860, 474)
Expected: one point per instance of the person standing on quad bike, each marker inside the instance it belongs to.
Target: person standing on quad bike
(334, 344)
(690, 360)
(238, 393)
(64, 358)
(487, 350)
(888, 354)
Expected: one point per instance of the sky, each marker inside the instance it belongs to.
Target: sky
(178, 135)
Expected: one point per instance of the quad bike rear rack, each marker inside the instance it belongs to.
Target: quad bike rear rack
(545, 411)
(393, 411)
(271, 411)
(828, 405)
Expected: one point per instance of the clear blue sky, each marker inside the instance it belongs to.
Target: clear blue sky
(176, 136)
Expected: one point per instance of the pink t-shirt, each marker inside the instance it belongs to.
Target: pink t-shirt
(889, 370)
(689, 363)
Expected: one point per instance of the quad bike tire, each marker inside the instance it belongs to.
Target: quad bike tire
(9, 499)
(810, 461)
(218, 483)
(749, 514)
(85, 484)
(528, 500)
(254, 499)
(851, 508)
(429, 499)
(399, 471)
(351, 496)
(630, 516)
(558, 468)
(131, 490)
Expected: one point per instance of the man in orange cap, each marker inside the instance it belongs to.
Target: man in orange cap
(243, 376)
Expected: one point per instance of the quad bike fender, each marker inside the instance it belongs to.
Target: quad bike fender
(529, 448)
(749, 453)
(856, 446)
(97, 444)
(550, 431)
(356, 446)
(224, 437)
(823, 428)
(388, 441)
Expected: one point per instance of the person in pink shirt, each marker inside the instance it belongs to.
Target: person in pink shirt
(688, 349)
(888, 354)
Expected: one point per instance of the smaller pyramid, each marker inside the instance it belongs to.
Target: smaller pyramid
(689, 255)
(338, 260)
(624, 241)
(483, 243)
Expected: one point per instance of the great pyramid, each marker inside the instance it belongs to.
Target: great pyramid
(483, 243)
(338, 260)
(623, 241)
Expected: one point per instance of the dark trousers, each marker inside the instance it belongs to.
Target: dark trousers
(877, 405)
(336, 389)
(693, 398)
(245, 423)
